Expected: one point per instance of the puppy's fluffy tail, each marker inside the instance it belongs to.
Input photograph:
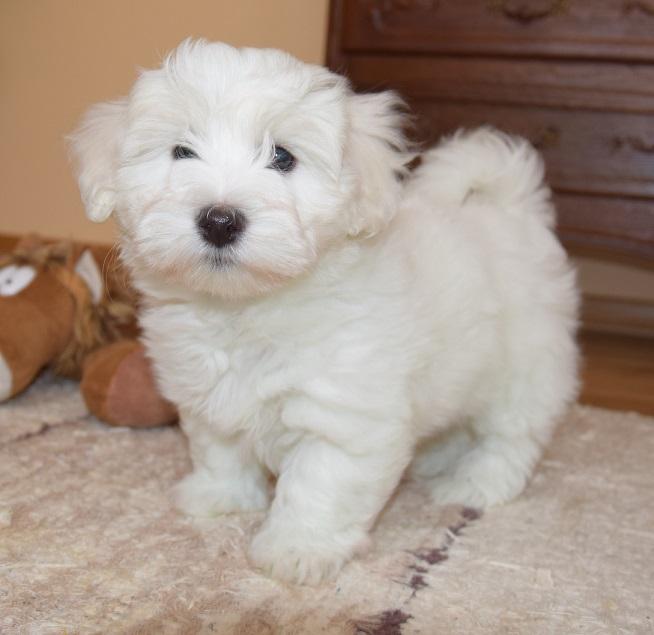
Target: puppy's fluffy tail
(490, 167)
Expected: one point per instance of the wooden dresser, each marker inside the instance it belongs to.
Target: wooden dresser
(576, 77)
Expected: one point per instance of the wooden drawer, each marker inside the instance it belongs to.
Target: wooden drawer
(600, 153)
(571, 85)
(597, 29)
(611, 227)
(576, 77)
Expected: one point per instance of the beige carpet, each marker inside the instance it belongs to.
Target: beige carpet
(90, 544)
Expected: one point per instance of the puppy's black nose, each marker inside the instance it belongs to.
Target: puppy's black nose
(220, 226)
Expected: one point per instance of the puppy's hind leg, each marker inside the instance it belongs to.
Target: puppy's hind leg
(512, 431)
(437, 455)
(494, 470)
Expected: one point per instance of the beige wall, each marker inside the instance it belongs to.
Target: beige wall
(57, 57)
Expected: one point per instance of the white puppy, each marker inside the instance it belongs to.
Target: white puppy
(320, 314)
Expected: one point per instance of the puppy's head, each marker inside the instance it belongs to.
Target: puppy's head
(231, 170)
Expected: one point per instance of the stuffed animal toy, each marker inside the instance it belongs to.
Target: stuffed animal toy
(56, 311)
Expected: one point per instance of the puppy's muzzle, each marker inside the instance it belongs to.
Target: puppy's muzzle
(220, 226)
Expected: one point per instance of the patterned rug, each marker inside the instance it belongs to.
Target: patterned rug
(89, 542)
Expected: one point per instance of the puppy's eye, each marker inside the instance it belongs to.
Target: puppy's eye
(182, 152)
(283, 160)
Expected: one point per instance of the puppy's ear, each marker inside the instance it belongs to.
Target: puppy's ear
(377, 153)
(95, 147)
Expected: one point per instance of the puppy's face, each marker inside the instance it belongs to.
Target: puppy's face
(232, 170)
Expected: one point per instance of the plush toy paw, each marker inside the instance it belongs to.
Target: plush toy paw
(119, 387)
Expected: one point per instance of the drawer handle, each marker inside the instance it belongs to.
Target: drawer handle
(635, 143)
(520, 11)
(638, 5)
(546, 139)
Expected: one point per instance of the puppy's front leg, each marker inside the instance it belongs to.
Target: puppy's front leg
(226, 478)
(326, 500)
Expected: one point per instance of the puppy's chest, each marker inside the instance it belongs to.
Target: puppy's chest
(233, 380)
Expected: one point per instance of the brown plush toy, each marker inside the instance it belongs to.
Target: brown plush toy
(55, 311)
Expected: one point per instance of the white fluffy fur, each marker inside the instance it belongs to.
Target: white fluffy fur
(367, 316)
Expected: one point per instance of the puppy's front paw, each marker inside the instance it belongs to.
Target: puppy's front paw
(200, 495)
(298, 557)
